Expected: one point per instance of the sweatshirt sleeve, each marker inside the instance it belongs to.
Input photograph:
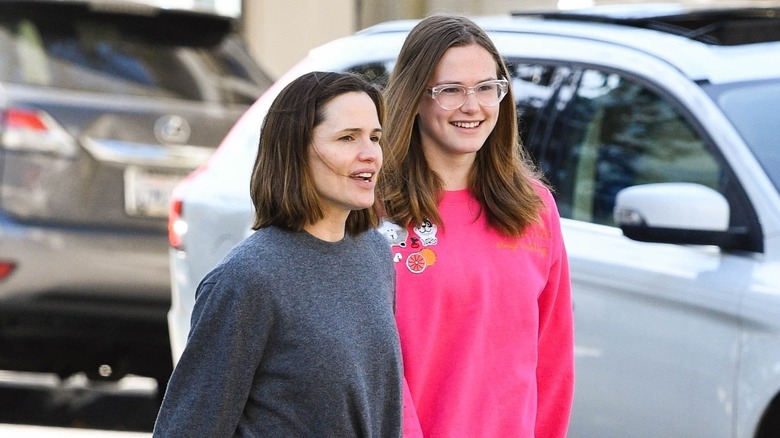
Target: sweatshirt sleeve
(555, 369)
(210, 385)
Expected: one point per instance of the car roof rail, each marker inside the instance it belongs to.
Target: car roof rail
(722, 26)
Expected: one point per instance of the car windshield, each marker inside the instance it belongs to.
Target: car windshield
(753, 108)
(163, 56)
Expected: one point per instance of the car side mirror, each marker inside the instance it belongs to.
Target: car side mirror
(678, 213)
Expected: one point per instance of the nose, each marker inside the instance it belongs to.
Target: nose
(471, 104)
(370, 151)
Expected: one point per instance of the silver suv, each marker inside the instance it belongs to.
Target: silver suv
(104, 108)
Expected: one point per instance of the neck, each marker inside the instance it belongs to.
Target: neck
(453, 170)
(328, 229)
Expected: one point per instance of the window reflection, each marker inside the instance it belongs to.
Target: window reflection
(124, 57)
(594, 133)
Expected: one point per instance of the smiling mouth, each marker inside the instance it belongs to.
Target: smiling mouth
(363, 176)
(466, 124)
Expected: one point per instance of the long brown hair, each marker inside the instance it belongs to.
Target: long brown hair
(281, 188)
(502, 178)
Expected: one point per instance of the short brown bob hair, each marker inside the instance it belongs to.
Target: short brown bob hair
(281, 188)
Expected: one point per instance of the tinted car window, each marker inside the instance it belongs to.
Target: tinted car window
(753, 108)
(127, 55)
(594, 133)
(534, 85)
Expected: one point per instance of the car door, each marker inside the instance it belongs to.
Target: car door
(657, 326)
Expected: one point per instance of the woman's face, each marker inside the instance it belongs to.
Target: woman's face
(345, 156)
(461, 131)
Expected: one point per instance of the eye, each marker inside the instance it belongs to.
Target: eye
(347, 138)
(450, 89)
(375, 138)
(485, 87)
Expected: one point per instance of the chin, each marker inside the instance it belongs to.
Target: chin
(363, 205)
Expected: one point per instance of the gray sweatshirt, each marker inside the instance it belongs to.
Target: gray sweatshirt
(291, 337)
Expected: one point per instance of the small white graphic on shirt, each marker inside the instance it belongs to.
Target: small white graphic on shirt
(394, 233)
(427, 233)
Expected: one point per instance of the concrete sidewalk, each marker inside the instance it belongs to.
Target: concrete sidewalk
(23, 431)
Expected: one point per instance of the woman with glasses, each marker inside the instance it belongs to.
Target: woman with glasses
(484, 305)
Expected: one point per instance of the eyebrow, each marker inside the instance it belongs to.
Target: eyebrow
(461, 83)
(360, 130)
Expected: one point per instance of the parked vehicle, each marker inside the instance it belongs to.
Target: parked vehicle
(657, 127)
(104, 108)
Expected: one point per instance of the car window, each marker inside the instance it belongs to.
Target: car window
(753, 108)
(534, 87)
(375, 72)
(595, 133)
(125, 55)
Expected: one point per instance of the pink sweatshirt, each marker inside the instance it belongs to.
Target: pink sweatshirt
(486, 325)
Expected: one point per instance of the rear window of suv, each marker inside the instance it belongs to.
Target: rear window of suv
(192, 57)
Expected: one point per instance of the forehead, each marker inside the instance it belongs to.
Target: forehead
(465, 64)
(349, 111)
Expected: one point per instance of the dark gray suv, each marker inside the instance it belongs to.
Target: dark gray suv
(104, 107)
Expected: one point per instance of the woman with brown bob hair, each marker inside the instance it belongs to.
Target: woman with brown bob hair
(282, 190)
(293, 332)
(484, 306)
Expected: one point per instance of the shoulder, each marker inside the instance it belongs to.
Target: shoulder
(377, 237)
(370, 245)
(265, 244)
(374, 250)
(549, 207)
(252, 259)
(549, 224)
(543, 191)
(253, 272)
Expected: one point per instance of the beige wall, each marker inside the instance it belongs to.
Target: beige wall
(479, 7)
(280, 33)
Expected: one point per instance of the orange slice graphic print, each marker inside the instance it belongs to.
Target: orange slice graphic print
(415, 262)
(429, 256)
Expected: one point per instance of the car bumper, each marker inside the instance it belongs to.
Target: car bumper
(83, 297)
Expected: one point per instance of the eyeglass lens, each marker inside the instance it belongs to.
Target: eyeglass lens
(488, 93)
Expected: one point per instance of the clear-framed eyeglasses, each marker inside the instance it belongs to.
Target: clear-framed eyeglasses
(453, 96)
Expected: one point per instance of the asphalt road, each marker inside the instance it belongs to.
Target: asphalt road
(35, 405)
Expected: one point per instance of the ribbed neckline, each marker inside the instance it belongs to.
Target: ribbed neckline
(313, 242)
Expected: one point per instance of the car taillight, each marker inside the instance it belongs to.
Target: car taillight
(177, 226)
(32, 130)
(6, 268)
(24, 119)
